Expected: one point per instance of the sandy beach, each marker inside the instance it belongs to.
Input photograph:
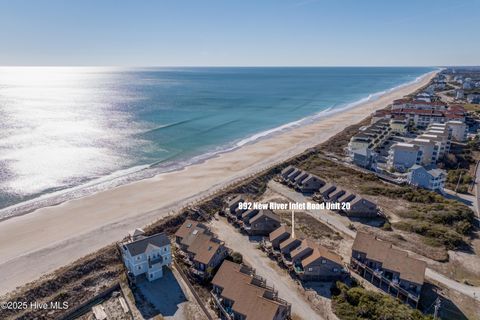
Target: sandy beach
(37, 243)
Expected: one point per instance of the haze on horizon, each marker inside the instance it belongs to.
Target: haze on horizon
(239, 33)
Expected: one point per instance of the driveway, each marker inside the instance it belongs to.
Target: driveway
(166, 295)
(326, 216)
(266, 268)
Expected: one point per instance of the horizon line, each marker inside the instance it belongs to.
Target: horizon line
(241, 66)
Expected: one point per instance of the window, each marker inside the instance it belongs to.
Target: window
(310, 269)
(335, 269)
(139, 267)
(324, 261)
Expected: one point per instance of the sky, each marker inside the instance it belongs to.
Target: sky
(239, 32)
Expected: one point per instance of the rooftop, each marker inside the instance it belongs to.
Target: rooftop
(187, 227)
(146, 244)
(283, 229)
(431, 169)
(392, 259)
(320, 252)
(405, 145)
(265, 213)
(204, 248)
(248, 299)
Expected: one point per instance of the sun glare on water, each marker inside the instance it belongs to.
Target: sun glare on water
(58, 125)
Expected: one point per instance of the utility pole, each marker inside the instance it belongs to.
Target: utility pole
(458, 182)
(293, 223)
(437, 308)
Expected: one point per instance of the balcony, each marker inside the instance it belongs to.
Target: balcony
(199, 273)
(155, 262)
(390, 286)
(227, 312)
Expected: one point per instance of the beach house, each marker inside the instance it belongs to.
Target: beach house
(313, 262)
(335, 195)
(247, 215)
(263, 223)
(389, 269)
(279, 235)
(321, 265)
(239, 293)
(424, 96)
(300, 178)
(232, 205)
(202, 251)
(292, 175)
(288, 245)
(146, 256)
(326, 190)
(285, 172)
(310, 184)
(362, 208)
(360, 150)
(428, 177)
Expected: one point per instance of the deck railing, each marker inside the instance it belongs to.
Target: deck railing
(354, 266)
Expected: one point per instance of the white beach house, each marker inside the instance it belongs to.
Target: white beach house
(146, 255)
(428, 177)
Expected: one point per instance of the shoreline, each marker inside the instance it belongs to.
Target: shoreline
(146, 171)
(53, 236)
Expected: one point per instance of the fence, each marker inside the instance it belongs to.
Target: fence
(192, 289)
(87, 305)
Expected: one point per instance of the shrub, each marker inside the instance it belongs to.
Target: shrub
(387, 226)
(430, 215)
(450, 239)
(357, 303)
(236, 257)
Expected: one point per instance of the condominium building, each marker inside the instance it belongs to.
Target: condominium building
(429, 150)
(361, 146)
(390, 269)
(458, 130)
(239, 293)
(403, 156)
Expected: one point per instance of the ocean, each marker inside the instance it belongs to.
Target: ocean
(69, 131)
